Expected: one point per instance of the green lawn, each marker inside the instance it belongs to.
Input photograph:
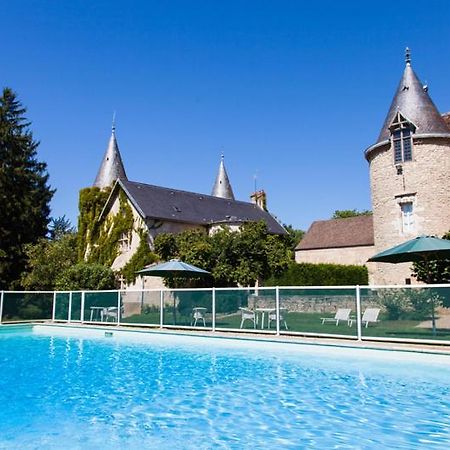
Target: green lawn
(305, 323)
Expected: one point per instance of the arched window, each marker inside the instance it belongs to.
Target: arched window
(401, 132)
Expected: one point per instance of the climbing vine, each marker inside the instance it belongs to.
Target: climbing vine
(99, 241)
(142, 257)
(90, 205)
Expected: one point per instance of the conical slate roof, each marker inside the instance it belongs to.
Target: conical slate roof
(111, 167)
(415, 105)
(222, 187)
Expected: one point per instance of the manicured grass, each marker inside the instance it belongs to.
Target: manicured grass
(305, 323)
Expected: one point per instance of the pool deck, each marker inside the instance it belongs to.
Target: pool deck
(418, 347)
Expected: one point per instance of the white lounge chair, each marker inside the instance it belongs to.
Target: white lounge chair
(273, 317)
(370, 315)
(248, 314)
(198, 313)
(341, 314)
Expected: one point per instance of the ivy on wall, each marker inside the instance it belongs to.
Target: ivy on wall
(98, 241)
(141, 258)
(90, 205)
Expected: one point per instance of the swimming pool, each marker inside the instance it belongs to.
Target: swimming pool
(70, 388)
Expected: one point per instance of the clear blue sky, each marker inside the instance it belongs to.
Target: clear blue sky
(293, 90)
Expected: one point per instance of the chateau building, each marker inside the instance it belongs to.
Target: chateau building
(409, 167)
(157, 209)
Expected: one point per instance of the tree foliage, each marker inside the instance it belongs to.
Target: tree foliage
(233, 257)
(433, 272)
(294, 235)
(24, 191)
(59, 227)
(47, 260)
(85, 276)
(345, 213)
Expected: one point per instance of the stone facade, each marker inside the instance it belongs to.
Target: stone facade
(422, 182)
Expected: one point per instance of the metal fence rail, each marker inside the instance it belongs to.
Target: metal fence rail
(412, 313)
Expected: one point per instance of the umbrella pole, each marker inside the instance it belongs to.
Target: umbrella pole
(433, 317)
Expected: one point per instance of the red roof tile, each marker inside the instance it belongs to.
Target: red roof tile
(335, 233)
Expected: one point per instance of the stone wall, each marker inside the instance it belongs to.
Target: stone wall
(306, 303)
(424, 182)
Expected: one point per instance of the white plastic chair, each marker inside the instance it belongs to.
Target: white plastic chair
(273, 317)
(198, 313)
(248, 314)
(341, 314)
(111, 312)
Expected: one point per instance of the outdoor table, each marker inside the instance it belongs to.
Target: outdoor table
(263, 312)
(96, 311)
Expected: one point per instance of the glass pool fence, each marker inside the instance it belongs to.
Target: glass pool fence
(395, 313)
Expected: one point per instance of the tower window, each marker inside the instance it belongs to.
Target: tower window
(402, 131)
(407, 217)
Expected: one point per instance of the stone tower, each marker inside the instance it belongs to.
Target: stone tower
(222, 186)
(409, 174)
(111, 167)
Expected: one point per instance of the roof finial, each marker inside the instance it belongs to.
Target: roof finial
(408, 56)
(114, 122)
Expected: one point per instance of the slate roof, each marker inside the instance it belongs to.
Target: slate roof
(111, 168)
(414, 103)
(222, 186)
(338, 233)
(156, 202)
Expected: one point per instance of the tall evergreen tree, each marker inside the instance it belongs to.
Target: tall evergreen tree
(24, 191)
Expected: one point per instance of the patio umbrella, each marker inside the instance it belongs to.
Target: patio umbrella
(174, 269)
(419, 249)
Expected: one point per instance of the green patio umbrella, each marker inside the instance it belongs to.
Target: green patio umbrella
(173, 269)
(419, 249)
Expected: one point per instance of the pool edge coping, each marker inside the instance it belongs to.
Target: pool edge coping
(295, 340)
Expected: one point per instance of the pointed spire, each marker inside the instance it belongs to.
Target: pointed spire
(222, 187)
(413, 103)
(111, 167)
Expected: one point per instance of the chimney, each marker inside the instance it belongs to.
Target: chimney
(259, 198)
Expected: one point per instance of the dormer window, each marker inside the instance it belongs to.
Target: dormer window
(401, 132)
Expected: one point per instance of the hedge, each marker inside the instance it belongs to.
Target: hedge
(306, 274)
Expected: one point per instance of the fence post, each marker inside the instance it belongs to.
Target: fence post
(358, 312)
(82, 307)
(54, 307)
(2, 296)
(277, 309)
(161, 309)
(69, 318)
(213, 309)
(119, 307)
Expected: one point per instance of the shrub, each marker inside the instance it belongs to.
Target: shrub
(306, 274)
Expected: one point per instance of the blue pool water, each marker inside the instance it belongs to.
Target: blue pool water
(67, 390)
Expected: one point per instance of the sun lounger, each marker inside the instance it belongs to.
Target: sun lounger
(370, 315)
(341, 314)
